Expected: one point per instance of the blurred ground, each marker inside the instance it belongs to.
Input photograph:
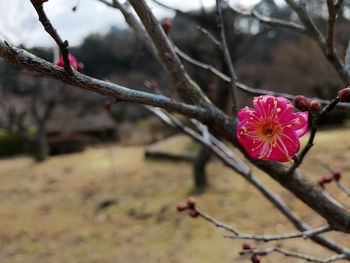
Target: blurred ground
(49, 212)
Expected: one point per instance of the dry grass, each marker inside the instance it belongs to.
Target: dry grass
(48, 211)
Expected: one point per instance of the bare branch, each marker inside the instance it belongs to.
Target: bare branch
(227, 157)
(134, 23)
(333, 10)
(187, 88)
(227, 56)
(30, 62)
(342, 187)
(319, 38)
(268, 238)
(243, 87)
(347, 58)
(272, 22)
(63, 45)
(327, 109)
(210, 36)
(292, 254)
(265, 238)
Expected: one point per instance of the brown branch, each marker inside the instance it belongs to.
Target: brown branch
(274, 199)
(228, 158)
(227, 56)
(333, 10)
(268, 238)
(210, 36)
(343, 188)
(32, 63)
(326, 110)
(272, 22)
(292, 254)
(63, 45)
(243, 87)
(134, 23)
(186, 87)
(331, 55)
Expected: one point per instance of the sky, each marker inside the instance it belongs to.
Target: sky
(91, 16)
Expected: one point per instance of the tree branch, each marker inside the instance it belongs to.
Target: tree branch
(318, 37)
(32, 63)
(326, 110)
(228, 158)
(292, 254)
(186, 87)
(243, 87)
(271, 22)
(266, 238)
(63, 45)
(227, 56)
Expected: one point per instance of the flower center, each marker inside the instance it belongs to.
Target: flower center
(269, 130)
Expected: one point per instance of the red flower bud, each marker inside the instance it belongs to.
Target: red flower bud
(315, 105)
(191, 202)
(181, 207)
(73, 61)
(336, 175)
(81, 67)
(193, 213)
(166, 25)
(247, 246)
(327, 179)
(108, 104)
(256, 258)
(301, 103)
(344, 95)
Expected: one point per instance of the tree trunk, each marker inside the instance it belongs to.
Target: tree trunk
(199, 171)
(41, 150)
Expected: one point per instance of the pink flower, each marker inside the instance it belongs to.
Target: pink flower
(73, 61)
(271, 129)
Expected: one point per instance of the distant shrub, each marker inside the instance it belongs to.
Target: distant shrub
(11, 144)
(70, 143)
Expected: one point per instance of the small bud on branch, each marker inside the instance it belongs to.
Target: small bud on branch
(344, 95)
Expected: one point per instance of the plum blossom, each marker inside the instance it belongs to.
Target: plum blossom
(271, 129)
(73, 61)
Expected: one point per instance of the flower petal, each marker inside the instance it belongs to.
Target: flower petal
(301, 125)
(244, 114)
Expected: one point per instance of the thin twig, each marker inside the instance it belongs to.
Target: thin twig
(316, 34)
(32, 63)
(241, 86)
(333, 10)
(326, 110)
(210, 36)
(343, 187)
(227, 156)
(266, 238)
(227, 56)
(188, 90)
(292, 254)
(271, 22)
(63, 45)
